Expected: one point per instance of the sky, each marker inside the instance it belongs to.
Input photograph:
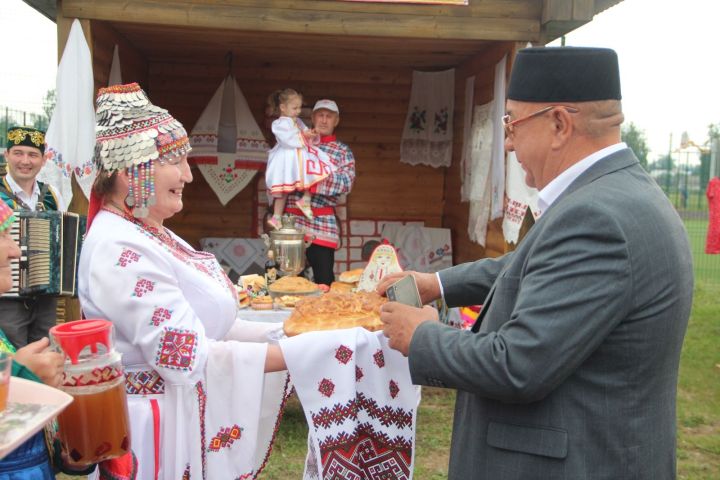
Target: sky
(669, 65)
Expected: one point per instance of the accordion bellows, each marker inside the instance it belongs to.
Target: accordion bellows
(50, 245)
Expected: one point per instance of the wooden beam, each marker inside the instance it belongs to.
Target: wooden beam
(258, 16)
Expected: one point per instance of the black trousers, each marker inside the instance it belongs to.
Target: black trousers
(27, 320)
(322, 261)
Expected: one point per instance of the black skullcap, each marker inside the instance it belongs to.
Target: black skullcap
(565, 74)
(26, 137)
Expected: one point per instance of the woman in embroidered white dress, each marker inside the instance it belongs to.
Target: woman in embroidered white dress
(200, 403)
(294, 163)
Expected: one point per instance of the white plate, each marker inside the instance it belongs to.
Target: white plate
(30, 406)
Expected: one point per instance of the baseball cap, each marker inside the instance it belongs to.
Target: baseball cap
(327, 105)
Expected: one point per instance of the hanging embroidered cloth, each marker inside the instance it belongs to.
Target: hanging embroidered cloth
(359, 402)
(115, 77)
(228, 146)
(497, 181)
(465, 161)
(428, 133)
(519, 198)
(71, 134)
(479, 179)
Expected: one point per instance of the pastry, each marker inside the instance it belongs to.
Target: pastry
(292, 285)
(334, 311)
(340, 287)
(351, 276)
(262, 303)
(288, 301)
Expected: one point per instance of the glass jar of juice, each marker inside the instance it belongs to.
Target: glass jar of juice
(94, 427)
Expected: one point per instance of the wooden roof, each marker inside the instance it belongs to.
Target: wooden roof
(482, 20)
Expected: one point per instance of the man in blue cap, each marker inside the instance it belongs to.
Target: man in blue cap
(570, 371)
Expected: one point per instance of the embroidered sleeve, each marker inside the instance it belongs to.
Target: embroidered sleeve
(287, 133)
(341, 180)
(137, 290)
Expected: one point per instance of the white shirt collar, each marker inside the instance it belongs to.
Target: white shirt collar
(554, 189)
(30, 200)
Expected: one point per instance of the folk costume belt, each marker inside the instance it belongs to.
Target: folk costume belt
(318, 212)
(144, 382)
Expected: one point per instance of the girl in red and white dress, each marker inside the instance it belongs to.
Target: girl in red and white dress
(294, 163)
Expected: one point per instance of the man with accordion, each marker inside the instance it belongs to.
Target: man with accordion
(27, 318)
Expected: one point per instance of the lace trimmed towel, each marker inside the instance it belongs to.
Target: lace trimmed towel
(71, 134)
(228, 146)
(428, 133)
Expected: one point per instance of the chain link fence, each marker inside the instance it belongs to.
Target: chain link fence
(684, 181)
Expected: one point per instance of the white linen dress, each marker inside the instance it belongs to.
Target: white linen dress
(294, 164)
(200, 404)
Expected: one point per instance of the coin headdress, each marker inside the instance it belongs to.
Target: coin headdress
(132, 134)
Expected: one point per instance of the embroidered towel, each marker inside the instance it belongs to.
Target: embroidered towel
(71, 134)
(498, 145)
(228, 146)
(519, 198)
(479, 193)
(428, 133)
(359, 402)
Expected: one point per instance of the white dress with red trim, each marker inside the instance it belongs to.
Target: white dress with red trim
(199, 401)
(294, 164)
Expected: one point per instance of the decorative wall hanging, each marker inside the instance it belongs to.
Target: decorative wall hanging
(428, 133)
(228, 146)
(71, 134)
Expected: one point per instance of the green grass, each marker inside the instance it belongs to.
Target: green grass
(699, 389)
(707, 267)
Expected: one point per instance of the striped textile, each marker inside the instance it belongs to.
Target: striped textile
(323, 229)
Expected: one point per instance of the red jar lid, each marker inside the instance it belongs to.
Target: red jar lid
(74, 336)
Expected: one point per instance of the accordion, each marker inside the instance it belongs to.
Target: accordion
(50, 245)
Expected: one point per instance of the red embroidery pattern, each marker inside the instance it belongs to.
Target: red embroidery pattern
(394, 389)
(326, 387)
(160, 315)
(379, 358)
(94, 377)
(358, 373)
(127, 257)
(366, 454)
(186, 474)
(387, 416)
(225, 438)
(144, 382)
(142, 287)
(343, 354)
(202, 402)
(177, 349)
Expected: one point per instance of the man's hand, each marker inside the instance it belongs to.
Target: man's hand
(401, 321)
(427, 284)
(46, 364)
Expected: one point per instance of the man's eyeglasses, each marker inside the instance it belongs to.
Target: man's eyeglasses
(509, 125)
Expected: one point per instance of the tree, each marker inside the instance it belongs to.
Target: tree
(635, 139)
(49, 103)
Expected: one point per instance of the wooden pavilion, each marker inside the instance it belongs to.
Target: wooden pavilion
(361, 54)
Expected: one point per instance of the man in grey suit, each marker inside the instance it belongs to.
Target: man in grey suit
(571, 369)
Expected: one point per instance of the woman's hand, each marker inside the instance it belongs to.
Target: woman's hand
(43, 362)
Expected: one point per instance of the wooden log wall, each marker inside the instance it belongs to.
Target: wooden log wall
(455, 212)
(373, 105)
(134, 67)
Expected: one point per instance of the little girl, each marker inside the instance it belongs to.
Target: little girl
(294, 164)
